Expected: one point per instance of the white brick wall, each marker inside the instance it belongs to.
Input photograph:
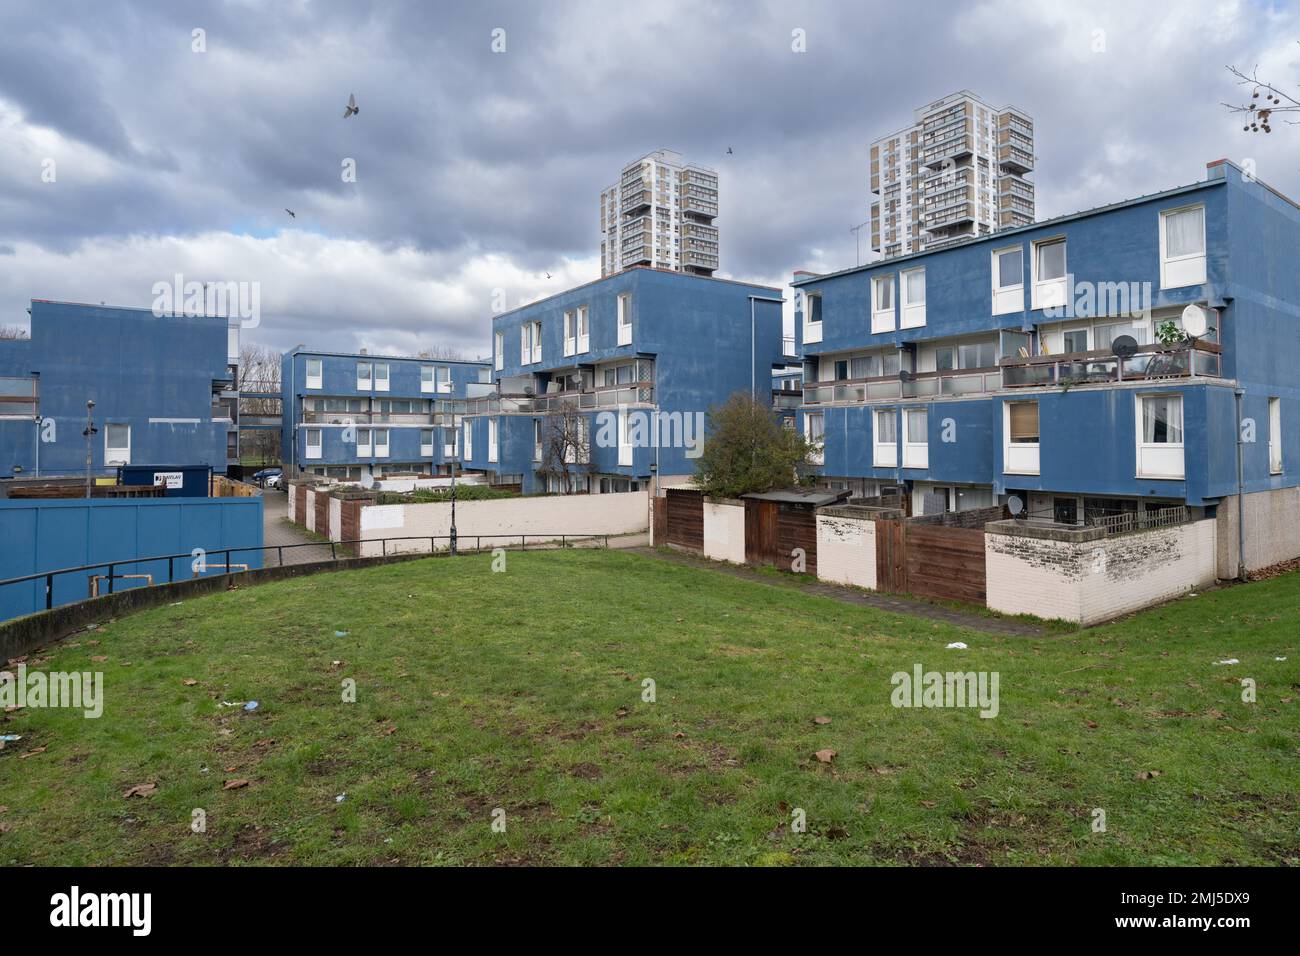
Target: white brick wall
(846, 550)
(309, 519)
(1093, 581)
(724, 531)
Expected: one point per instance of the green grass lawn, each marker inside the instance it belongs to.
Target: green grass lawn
(523, 691)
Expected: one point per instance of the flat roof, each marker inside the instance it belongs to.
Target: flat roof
(303, 350)
(800, 496)
(1002, 235)
(634, 269)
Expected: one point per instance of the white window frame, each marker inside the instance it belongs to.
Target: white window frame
(315, 381)
(584, 329)
(884, 454)
(442, 379)
(499, 349)
(469, 438)
(912, 313)
(1161, 460)
(537, 342)
(426, 448)
(916, 451)
(120, 455)
(1050, 293)
(570, 333)
(625, 318)
(812, 329)
(365, 384)
(381, 447)
(427, 383)
(449, 448)
(381, 381)
(537, 439)
(1021, 458)
(525, 343)
(883, 319)
(624, 436)
(493, 439)
(365, 442)
(1275, 436)
(818, 455)
(1188, 269)
(1007, 298)
(319, 443)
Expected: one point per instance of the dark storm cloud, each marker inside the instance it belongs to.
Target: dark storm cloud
(483, 169)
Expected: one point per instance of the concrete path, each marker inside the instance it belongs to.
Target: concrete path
(277, 530)
(885, 602)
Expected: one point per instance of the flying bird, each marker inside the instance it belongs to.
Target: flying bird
(291, 212)
(728, 150)
(352, 106)
(548, 275)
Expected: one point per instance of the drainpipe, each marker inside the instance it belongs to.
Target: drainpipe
(1241, 498)
(38, 446)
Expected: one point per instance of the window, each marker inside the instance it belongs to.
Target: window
(537, 439)
(117, 444)
(381, 442)
(624, 437)
(625, 319)
(812, 317)
(1275, 436)
(1182, 247)
(1021, 447)
(1049, 274)
(885, 451)
(977, 355)
(364, 371)
(841, 369)
(882, 310)
(364, 443)
(381, 377)
(1008, 280)
(426, 442)
(426, 377)
(469, 439)
(525, 343)
(916, 447)
(944, 356)
(814, 429)
(1065, 510)
(313, 373)
(444, 379)
(570, 338)
(499, 349)
(1075, 340)
(450, 441)
(1160, 435)
(492, 439)
(313, 442)
(584, 330)
(537, 341)
(913, 314)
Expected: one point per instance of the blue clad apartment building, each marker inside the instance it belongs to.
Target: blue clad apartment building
(164, 389)
(634, 361)
(349, 415)
(1049, 362)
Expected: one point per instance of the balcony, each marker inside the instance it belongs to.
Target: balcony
(1100, 366)
(960, 147)
(1014, 159)
(636, 200)
(365, 418)
(604, 397)
(914, 385)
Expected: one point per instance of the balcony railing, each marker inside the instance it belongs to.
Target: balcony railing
(1151, 362)
(607, 396)
(918, 385)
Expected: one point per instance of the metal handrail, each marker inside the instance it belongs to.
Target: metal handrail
(171, 559)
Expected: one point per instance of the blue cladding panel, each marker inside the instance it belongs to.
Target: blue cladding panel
(63, 533)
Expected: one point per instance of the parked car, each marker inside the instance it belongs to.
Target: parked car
(274, 482)
(264, 477)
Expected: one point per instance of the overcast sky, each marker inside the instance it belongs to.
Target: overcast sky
(479, 170)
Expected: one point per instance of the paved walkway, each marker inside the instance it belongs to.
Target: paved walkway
(885, 602)
(276, 530)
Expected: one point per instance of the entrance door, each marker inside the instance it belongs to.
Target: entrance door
(760, 531)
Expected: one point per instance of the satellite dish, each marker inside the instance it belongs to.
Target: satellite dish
(367, 480)
(1015, 505)
(1195, 321)
(905, 376)
(1124, 346)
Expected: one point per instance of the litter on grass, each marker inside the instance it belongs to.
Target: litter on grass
(956, 646)
(251, 705)
(1230, 660)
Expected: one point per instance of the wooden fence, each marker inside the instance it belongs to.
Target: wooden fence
(685, 520)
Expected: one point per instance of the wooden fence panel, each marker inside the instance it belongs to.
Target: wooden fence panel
(760, 531)
(891, 556)
(797, 528)
(685, 518)
(946, 563)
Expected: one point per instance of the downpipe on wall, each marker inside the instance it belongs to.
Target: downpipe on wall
(1238, 394)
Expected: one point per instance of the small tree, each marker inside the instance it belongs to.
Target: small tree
(1259, 114)
(747, 450)
(13, 332)
(566, 447)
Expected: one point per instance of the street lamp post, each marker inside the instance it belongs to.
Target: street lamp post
(90, 430)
